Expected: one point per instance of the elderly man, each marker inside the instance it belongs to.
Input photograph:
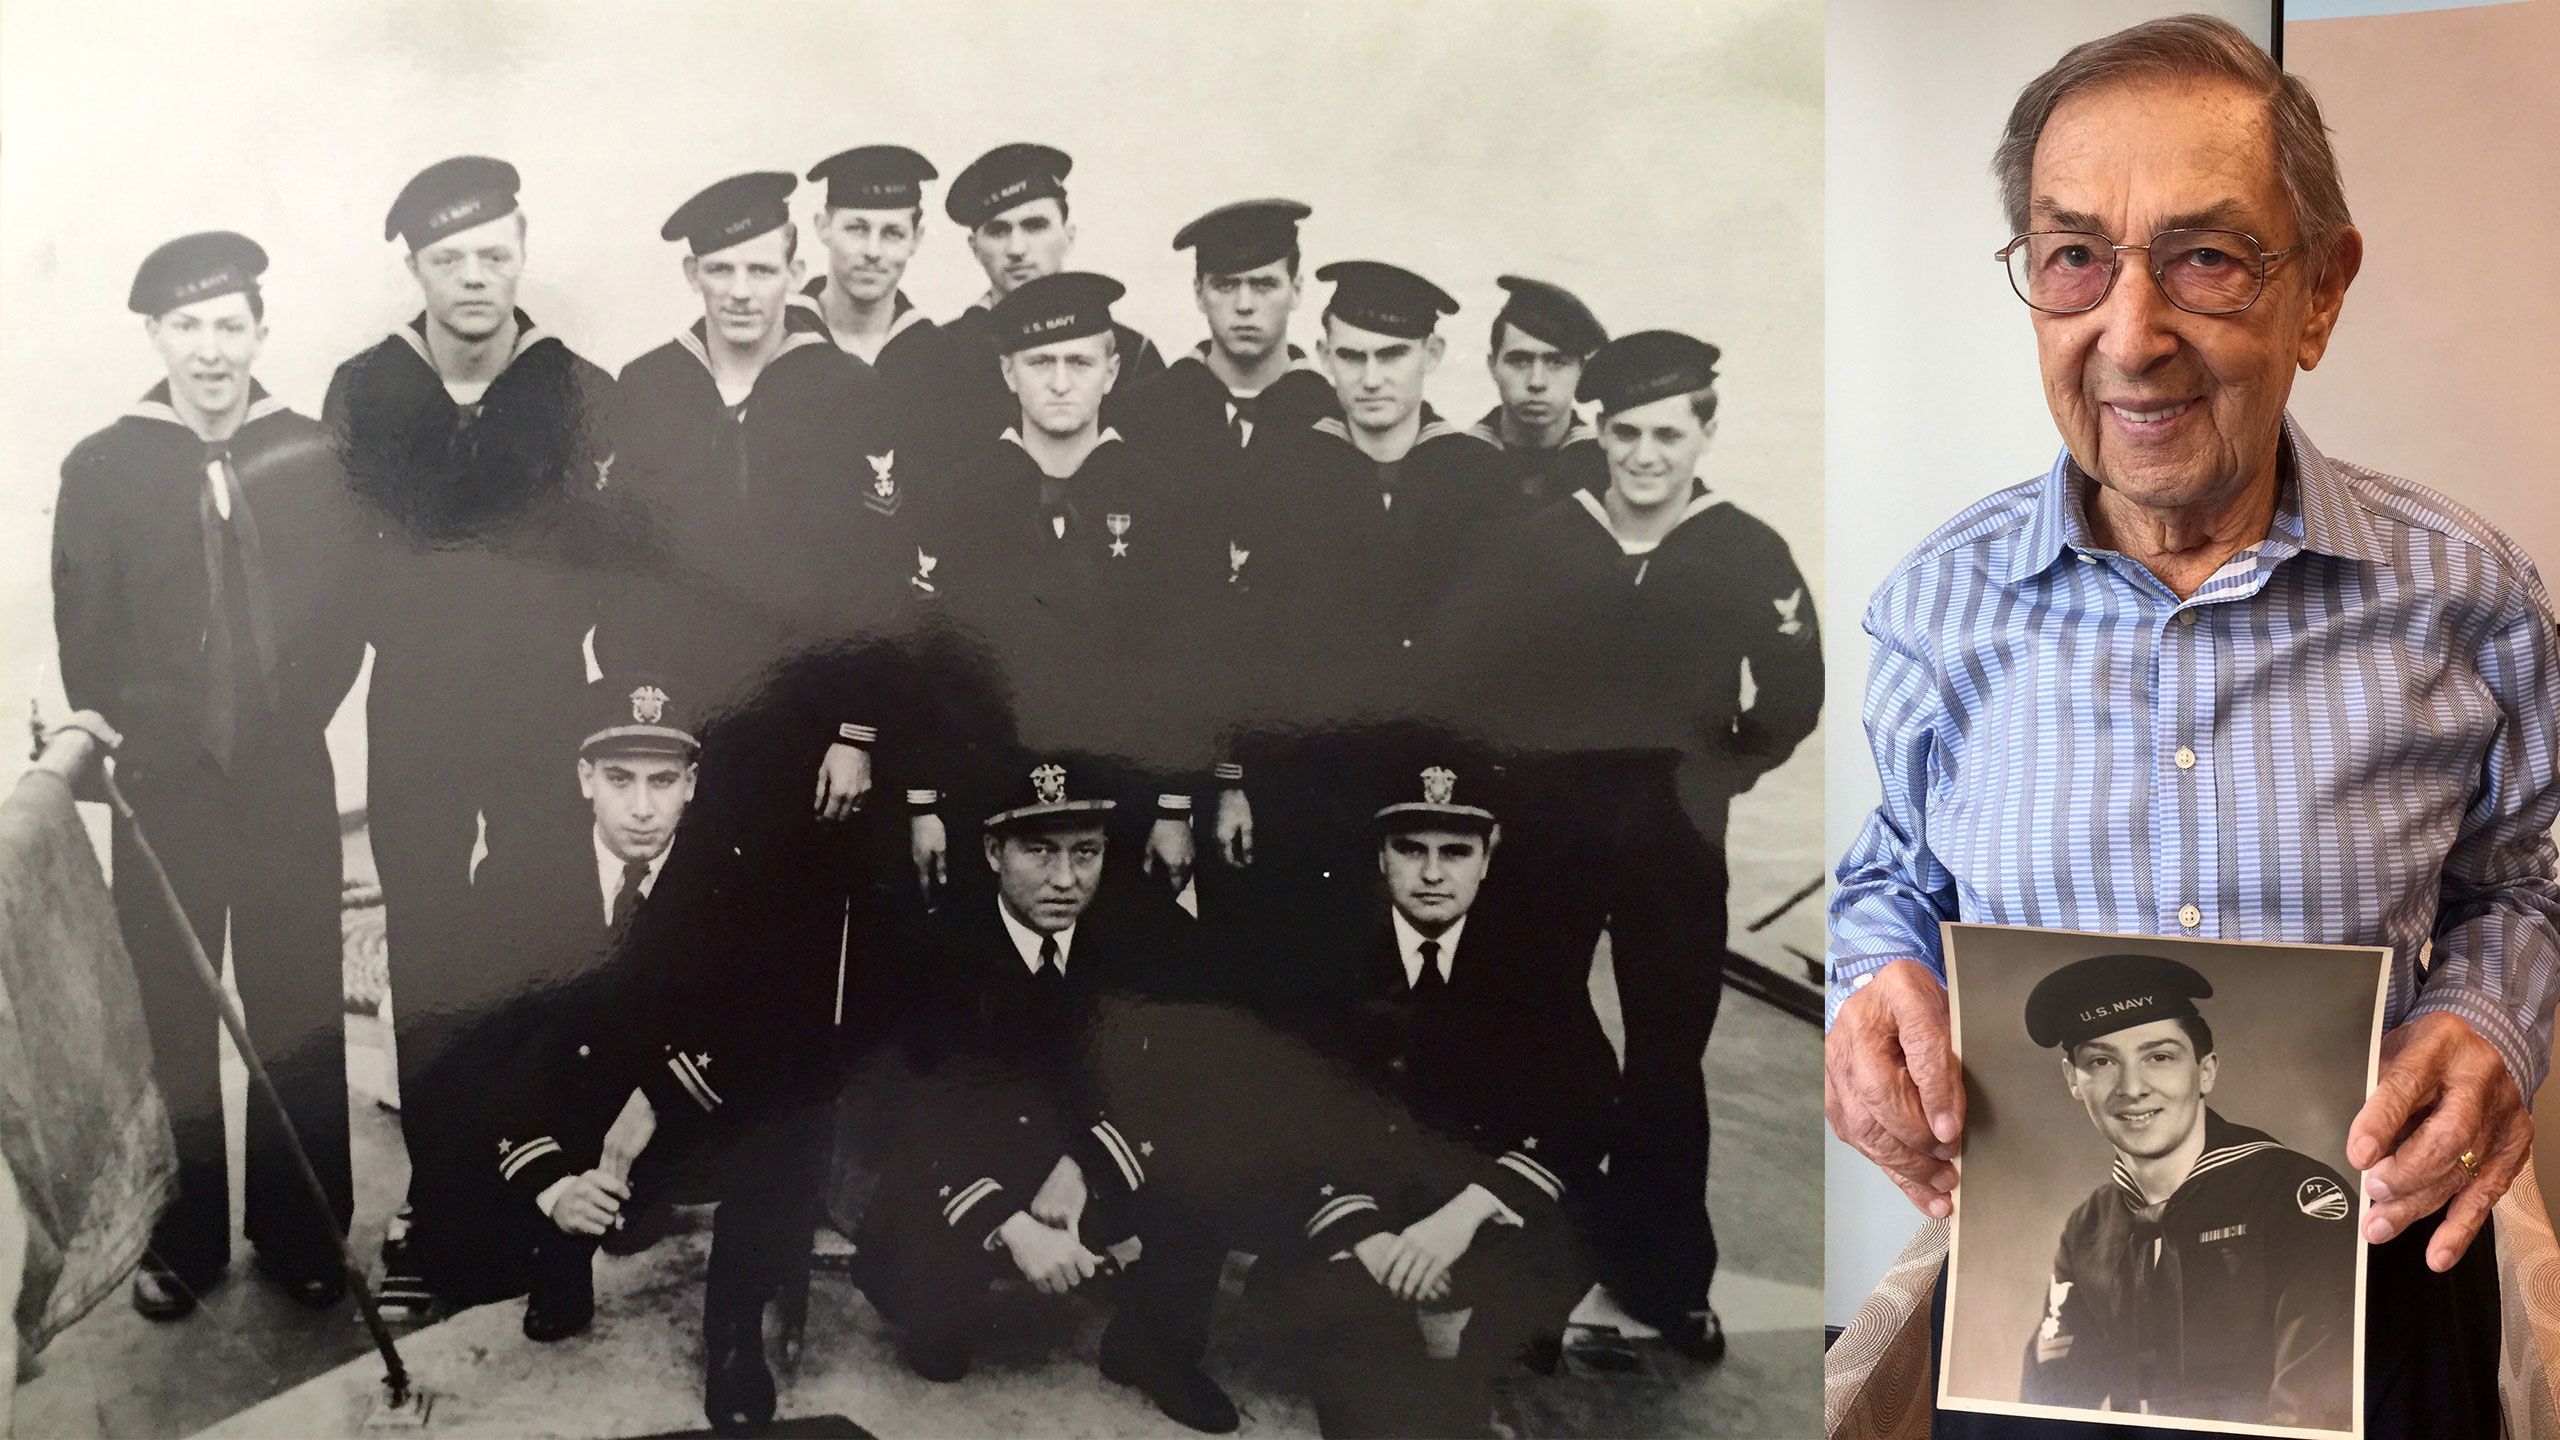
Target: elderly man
(2200, 679)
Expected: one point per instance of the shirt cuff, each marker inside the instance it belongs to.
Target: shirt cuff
(549, 1200)
(1851, 974)
(2494, 1025)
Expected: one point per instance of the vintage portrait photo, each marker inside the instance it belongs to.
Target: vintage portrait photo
(2157, 1222)
(886, 719)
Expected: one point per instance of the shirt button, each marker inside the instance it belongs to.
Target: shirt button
(1862, 981)
(2186, 758)
(583, 1052)
(2190, 916)
(2086, 558)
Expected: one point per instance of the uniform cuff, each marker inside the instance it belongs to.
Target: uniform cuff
(1228, 771)
(849, 733)
(692, 1077)
(967, 1198)
(1345, 1221)
(924, 799)
(1110, 1157)
(533, 1166)
(1175, 807)
(1523, 1173)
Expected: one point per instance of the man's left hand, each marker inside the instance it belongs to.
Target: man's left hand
(1171, 851)
(844, 777)
(2443, 1092)
(1418, 1266)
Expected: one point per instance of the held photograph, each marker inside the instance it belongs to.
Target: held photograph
(2157, 1224)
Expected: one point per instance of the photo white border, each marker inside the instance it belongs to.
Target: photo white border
(1948, 931)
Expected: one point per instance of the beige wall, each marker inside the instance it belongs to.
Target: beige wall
(2447, 362)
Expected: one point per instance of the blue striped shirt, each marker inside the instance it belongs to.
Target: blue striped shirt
(2345, 736)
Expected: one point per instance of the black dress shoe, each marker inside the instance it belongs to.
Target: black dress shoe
(313, 1289)
(737, 1384)
(160, 1295)
(1183, 1392)
(944, 1362)
(1698, 1335)
(563, 1301)
(1543, 1355)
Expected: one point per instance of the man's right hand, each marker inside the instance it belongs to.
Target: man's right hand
(589, 1204)
(1053, 1260)
(929, 848)
(1235, 827)
(1889, 1082)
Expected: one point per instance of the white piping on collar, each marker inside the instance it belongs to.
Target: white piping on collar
(1110, 435)
(791, 340)
(146, 408)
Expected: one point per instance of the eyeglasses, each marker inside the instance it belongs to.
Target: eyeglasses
(2203, 272)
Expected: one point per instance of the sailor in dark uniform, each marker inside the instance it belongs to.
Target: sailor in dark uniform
(870, 225)
(778, 539)
(1050, 559)
(1213, 423)
(201, 544)
(1013, 1168)
(1344, 554)
(674, 1067)
(1604, 642)
(478, 446)
(1464, 1189)
(1012, 204)
(2213, 1277)
(1541, 341)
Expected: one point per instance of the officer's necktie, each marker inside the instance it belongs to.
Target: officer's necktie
(1052, 968)
(1429, 981)
(239, 631)
(627, 899)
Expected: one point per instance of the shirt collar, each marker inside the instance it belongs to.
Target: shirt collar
(1026, 941)
(2314, 512)
(1409, 946)
(609, 870)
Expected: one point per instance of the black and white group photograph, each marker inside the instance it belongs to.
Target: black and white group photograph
(853, 719)
(2156, 1223)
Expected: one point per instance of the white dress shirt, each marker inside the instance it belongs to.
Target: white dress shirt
(1409, 946)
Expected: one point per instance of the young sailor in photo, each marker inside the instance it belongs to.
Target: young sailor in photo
(1605, 642)
(201, 548)
(2213, 1277)
(1053, 586)
(479, 448)
(1542, 338)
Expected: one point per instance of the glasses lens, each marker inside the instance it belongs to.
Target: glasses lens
(2061, 270)
(2210, 272)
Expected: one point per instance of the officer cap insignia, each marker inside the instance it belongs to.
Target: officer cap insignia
(2321, 1198)
(648, 705)
(1439, 784)
(1049, 782)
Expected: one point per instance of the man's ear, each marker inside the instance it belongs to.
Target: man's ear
(2070, 1074)
(991, 845)
(693, 271)
(587, 778)
(1433, 349)
(1110, 371)
(411, 260)
(2329, 296)
(2206, 1069)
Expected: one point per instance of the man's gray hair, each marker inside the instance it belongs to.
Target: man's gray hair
(2187, 46)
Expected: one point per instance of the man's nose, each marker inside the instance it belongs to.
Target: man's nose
(1372, 375)
(2136, 323)
(1540, 377)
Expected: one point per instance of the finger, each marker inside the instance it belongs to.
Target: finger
(2409, 1082)
(1929, 1058)
(2462, 1221)
(2429, 1158)
(613, 1183)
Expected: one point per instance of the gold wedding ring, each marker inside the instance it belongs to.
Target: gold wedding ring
(2469, 1160)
